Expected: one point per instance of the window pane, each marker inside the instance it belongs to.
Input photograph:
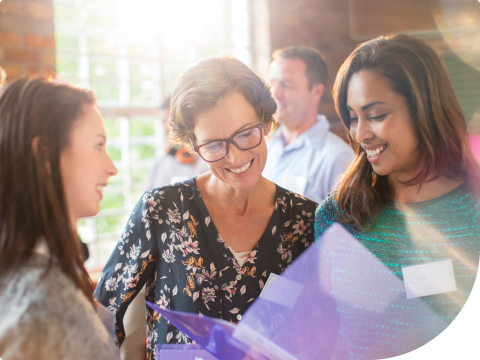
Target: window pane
(112, 126)
(63, 2)
(139, 176)
(141, 70)
(112, 201)
(105, 91)
(101, 19)
(109, 3)
(141, 152)
(117, 179)
(66, 42)
(104, 68)
(141, 92)
(66, 15)
(100, 45)
(110, 224)
(142, 126)
(67, 66)
(114, 152)
(141, 48)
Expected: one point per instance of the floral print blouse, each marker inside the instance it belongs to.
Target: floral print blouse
(171, 244)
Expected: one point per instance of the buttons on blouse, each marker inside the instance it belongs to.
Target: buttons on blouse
(239, 317)
(239, 277)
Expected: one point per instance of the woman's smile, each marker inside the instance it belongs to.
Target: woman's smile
(241, 170)
(374, 151)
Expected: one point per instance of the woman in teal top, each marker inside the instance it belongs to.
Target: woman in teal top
(411, 194)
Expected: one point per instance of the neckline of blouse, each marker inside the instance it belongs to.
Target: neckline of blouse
(271, 223)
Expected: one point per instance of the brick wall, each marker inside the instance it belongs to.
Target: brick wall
(27, 41)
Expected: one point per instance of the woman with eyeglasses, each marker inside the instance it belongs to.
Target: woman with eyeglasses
(209, 244)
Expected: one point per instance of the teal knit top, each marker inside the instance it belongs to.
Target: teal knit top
(405, 234)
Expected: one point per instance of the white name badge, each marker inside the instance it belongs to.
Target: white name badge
(282, 291)
(296, 184)
(429, 279)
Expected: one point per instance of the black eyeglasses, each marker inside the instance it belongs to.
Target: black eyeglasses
(244, 140)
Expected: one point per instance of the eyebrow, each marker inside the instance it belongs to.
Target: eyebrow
(102, 136)
(369, 105)
(235, 133)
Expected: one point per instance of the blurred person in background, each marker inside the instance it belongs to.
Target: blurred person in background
(177, 164)
(411, 195)
(3, 76)
(209, 244)
(54, 167)
(303, 155)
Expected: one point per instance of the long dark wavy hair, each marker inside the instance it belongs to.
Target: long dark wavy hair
(415, 71)
(32, 199)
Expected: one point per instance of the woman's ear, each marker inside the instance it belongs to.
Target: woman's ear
(268, 127)
(35, 144)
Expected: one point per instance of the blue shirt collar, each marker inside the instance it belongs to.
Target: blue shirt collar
(312, 137)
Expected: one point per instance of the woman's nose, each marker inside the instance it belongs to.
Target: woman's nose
(111, 168)
(360, 130)
(234, 155)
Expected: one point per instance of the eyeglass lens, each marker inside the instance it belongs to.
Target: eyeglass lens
(244, 140)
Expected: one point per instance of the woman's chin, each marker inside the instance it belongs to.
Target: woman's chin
(241, 182)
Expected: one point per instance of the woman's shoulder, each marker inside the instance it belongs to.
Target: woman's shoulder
(328, 206)
(49, 306)
(326, 214)
(38, 281)
(176, 193)
(172, 191)
(296, 200)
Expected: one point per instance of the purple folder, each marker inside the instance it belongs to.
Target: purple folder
(335, 301)
(182, 352)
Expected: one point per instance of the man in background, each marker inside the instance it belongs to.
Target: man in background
(303, 155)
(176, 164)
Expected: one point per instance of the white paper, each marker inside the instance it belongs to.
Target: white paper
(281, 291)
(429, 279)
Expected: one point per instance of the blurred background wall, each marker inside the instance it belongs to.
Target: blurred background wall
(130, 54)
(336, 27)
(27, 37)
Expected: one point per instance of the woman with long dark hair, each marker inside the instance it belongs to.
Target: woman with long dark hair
(54, 167)
(411, 194)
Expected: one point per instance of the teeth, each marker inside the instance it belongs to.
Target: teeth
(373, 153)
(241, 170)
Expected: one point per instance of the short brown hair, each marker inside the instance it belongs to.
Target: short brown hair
(415, 71)
(317, 69)
(201, 86)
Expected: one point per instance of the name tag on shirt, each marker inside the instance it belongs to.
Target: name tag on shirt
(282, 291)
(296, 184)
(429, 279)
